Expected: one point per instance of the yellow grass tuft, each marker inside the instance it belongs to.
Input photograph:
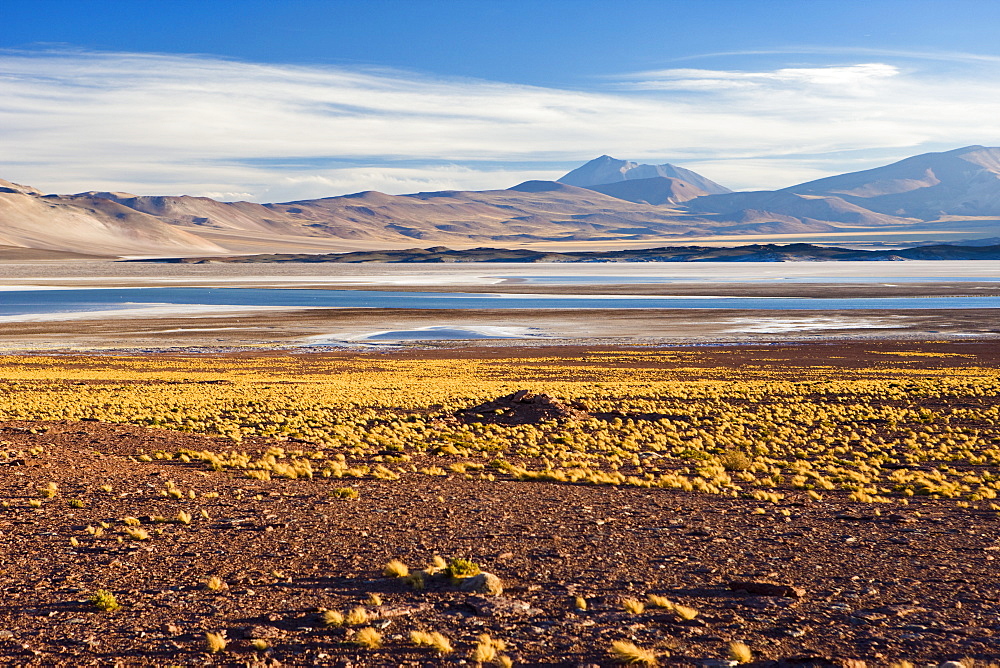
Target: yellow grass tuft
(357, 617)
(684, 612)
(367, 637)
(396, 569)
(333, 618)
(137, 533)
(633, 605)
(627, 653)
(660, 602)
(434, 639)
(216, 642)
(739, 652)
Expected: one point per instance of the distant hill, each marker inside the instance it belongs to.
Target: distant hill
(963, 182)
(953, 195)
(749, 253)
(605, 169)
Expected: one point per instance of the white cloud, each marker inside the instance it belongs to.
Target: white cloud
(185, 124)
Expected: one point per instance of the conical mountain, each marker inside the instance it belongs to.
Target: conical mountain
(606, 169)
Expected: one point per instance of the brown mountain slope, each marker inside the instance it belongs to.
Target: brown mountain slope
(656, 190)
(89, 225)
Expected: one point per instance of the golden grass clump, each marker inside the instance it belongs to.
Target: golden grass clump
(739, 652)
(684, 612)
(660, 602)
(216, 584)
(628, 653)
(357, 616)
(333, 618)
(437, 565)
(396, 569)
(368, 638)
(580, 603)
(435, 640)
(215, 642)
(633, 606)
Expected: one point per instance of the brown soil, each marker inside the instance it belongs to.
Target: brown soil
(827, 582)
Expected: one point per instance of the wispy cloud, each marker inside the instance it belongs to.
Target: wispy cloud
(199, 125)
(856, 52)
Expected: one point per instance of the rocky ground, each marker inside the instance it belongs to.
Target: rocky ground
(913, 583)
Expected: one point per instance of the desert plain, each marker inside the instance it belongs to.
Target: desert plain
(265, 486)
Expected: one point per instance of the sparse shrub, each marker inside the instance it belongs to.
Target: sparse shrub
(580, 603)
(259, 644)
(345, 493)
(734, 460)
(75, 503)
(104, 600)
(462, 568)
(374, 599)
(183, 517)
(215, 583)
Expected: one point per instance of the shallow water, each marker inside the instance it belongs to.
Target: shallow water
(642, 280)
(27, 302)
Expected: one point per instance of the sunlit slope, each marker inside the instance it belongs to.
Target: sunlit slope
(90, 225)
(933, 197)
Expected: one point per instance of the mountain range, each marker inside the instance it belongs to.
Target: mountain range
(953, 195)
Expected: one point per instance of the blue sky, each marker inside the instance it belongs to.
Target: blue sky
(294, 99)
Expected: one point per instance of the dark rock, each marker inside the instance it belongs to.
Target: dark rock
(761, 588)
(522, 407)
(499, 606)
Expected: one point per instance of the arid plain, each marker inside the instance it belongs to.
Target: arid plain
(192, 484)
